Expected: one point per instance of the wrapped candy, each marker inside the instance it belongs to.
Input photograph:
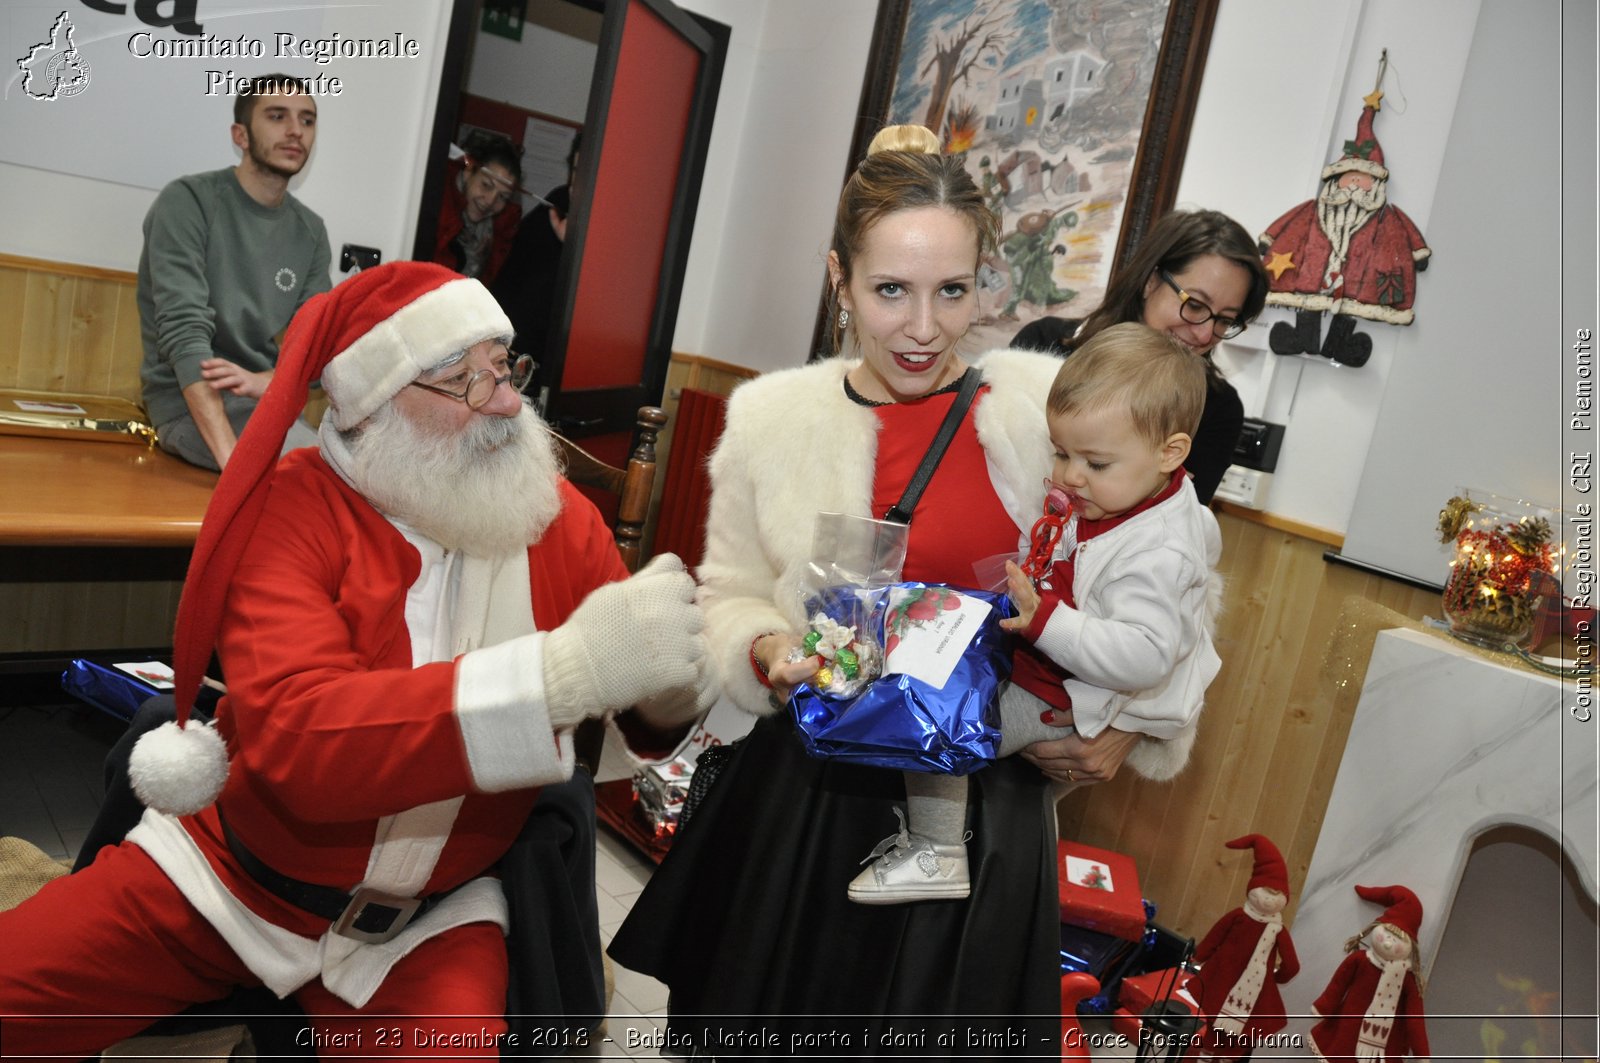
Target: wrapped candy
(848, 663)
(929, 662)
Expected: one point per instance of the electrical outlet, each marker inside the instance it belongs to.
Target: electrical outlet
(1246, 487)
(354, 256)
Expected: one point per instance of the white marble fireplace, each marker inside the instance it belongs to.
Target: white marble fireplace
(1445, 744)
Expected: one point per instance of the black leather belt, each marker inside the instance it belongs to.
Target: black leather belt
(366, 915)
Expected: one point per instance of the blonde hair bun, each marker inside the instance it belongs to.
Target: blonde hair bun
(919, 140)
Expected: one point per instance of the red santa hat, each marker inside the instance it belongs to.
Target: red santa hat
(366, 339)
(1363, 154)
(1270, 870)
(1404, 911)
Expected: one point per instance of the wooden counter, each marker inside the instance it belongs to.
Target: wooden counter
(56, 493)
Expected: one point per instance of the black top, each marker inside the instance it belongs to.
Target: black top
(526, 284)
(1221, 420)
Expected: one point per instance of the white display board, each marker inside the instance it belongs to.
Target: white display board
(99, 91)
(1479, 391)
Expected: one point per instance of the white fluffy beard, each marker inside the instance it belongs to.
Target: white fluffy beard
(487, 492)
(1342, 212)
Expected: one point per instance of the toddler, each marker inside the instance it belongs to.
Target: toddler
(1115, 614)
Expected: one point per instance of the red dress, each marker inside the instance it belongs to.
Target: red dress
(1344, 1004)
(1225, 952)
(959, 519)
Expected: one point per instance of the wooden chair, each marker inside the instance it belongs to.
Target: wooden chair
(632, 485)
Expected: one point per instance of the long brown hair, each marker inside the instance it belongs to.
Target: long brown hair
(1175, 240)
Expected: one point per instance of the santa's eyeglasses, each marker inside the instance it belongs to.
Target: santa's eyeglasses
(1195, 312)
(476, 389)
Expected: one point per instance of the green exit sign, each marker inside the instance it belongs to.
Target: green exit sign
(504, 18)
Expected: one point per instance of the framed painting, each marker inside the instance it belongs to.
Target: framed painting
(1073, 116)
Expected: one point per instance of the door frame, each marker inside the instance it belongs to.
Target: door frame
(600, 410)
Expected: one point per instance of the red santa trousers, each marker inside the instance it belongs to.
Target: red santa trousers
(118, 942)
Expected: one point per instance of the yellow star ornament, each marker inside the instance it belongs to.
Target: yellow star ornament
(1373, 99)
(1280, 263)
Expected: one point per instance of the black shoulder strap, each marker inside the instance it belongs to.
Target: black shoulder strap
(902, 510)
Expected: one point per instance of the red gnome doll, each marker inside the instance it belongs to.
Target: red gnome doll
(1372, 1008)
(1246, 956)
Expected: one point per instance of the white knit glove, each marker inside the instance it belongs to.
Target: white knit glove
(627, 641)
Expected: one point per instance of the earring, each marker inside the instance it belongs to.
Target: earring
(844, 319)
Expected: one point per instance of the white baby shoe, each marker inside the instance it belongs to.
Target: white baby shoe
(911, 867)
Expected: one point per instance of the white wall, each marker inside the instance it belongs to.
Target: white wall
(364, 176)
(1282, 93)
(545, 66)
(776, 164)
(789, 91)
(1474, 395)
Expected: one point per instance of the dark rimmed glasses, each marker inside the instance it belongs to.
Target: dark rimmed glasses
(1195, 312)
(480, 386)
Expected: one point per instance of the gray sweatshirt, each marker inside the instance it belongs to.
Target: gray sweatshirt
(220, 275)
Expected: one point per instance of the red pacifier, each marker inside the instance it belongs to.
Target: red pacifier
(1046, 533)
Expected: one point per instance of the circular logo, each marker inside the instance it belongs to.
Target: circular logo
(67, 73)
(285, 279)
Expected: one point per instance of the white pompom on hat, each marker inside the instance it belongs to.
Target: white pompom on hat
(366, 339)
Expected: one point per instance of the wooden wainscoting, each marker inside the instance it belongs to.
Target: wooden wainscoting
(1270, 740)
(65, 327)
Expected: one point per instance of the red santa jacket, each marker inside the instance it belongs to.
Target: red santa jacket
(329, 725)
(1379, 279)
(1225, 952)
(1344, 1003)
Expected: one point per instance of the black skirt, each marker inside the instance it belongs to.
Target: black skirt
(748, 923)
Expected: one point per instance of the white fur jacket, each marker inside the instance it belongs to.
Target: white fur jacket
(794, 446)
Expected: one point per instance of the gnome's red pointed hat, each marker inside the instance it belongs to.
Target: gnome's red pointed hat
(1270, 870)
(1363, 154)
(1402, 910)
(366, 339)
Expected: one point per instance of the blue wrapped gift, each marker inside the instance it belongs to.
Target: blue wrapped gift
(108, 689)
(935, 706)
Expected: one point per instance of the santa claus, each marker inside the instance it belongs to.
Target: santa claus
(1372, 1008)
(411, 619)
(1246, 956)
(1349, 252)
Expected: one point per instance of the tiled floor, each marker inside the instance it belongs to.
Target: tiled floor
(50, 789)
(50, 763)
(638, 1002)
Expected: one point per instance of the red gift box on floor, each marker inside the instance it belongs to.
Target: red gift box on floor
(1099, 890)
(1142, 992)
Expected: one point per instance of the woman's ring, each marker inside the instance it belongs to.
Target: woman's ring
(1071, 777)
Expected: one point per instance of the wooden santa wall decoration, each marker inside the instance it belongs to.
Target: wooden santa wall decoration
(1349, 253)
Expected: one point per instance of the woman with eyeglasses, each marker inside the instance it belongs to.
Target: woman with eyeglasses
(1196, 276)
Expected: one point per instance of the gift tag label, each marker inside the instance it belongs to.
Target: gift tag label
(155, 673)
(1089, 873)
(33, 406)
(926, 630)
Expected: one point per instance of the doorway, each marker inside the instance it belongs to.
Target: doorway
(647, 122)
